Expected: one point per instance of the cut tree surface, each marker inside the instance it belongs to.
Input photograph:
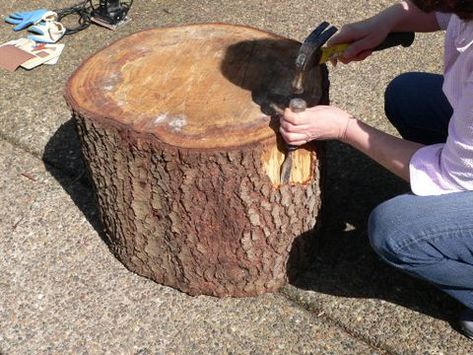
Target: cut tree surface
(179, 132)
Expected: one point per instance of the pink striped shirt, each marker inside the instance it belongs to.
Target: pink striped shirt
(448, 167)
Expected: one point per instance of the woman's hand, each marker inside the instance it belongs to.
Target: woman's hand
(329, 122)
(319, 122)
(363, 36)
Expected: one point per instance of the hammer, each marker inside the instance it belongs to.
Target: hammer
(311, 54)
(308, 56)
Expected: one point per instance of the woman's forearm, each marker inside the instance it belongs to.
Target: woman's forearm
(391, 152)
(405, 16)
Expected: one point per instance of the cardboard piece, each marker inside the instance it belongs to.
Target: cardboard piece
(44, 54)
(38, 53)
(12, 57)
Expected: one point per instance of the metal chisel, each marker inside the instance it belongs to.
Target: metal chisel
(296, 105)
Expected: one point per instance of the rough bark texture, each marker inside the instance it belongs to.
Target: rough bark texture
(205, 221)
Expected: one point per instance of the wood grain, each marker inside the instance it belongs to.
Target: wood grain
(156, 82)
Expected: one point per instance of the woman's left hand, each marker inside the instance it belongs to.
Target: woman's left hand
(319, 122)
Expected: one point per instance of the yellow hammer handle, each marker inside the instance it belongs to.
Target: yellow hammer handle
(333, 51)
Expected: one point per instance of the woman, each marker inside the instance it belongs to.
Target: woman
(428, 233)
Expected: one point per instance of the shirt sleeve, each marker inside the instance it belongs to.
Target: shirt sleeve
(444, 168)
(443, 19)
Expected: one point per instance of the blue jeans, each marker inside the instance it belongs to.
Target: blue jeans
(429, 237)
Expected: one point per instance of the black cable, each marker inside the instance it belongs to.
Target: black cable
(83, 10)
(128, 5)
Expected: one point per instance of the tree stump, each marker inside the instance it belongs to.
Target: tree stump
(181, 142)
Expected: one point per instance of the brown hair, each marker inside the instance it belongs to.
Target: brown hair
(462, 8)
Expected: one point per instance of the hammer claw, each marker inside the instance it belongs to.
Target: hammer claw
(316, 32)
(310, 53)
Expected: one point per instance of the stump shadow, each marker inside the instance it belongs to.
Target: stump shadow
(63, 159)
(341, 260)
(265, 68)
(344, 263)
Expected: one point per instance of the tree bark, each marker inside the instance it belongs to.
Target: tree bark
(179, 134)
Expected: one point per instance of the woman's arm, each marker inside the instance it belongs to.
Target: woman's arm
(329, 122)
(405, 16)
(367, 34)
(391, 152)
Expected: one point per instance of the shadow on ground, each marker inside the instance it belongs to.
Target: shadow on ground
(344, 264)
(63, 160)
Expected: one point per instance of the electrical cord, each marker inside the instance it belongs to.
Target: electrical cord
(83, 10)
(128, 4)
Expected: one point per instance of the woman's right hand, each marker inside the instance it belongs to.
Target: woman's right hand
(363, 36)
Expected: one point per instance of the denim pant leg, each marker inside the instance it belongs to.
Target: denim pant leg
(430, 237)
(416, 105)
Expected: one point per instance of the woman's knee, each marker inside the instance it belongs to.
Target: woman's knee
(397, 93)
(379, 231)
(397, 231)
(388, 230)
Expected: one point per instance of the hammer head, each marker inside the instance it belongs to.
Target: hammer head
(309, 54)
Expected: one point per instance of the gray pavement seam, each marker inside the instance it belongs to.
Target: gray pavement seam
(75, 176)
(320, 314)
(16, 143)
